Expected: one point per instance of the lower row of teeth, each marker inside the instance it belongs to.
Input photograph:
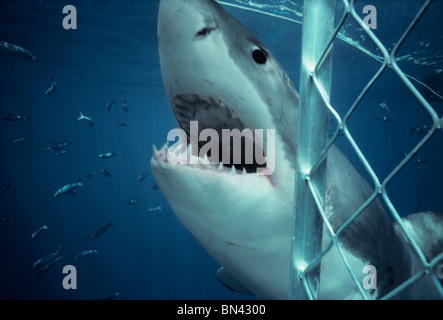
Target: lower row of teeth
(174, 156)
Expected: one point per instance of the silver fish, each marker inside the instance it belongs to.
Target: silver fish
(85, 253)
(38, 232)
(52, 88)
(100, 231)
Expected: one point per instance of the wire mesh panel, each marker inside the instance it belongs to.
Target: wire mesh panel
(427, 266)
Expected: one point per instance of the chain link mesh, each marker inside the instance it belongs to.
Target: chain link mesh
(380, 187)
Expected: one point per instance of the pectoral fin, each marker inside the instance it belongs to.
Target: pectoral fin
(230, 282)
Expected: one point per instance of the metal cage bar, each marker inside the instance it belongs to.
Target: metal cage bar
(306, 223)
(318, 23)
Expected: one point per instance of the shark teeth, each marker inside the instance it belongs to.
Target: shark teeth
(155, 151)
(177, 155)
(165, 147)
(185, 157)
(160, 154)
(206, 160)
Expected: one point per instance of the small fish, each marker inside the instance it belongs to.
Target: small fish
(106, 173)
(91, 174)
(109, 105)
(45, 260)
(384, 106)
(68, 189)
(6, 188)
(125, 107)
(16, 50)
(133, 201)
(85, 253)
(61, 152)
(100, 231)
(15, 117)
(142, 176)
(20, 140)
(155, 186)
(107, 155)
(153, 209)
(383, 118)
(122, 124)
(4, 219)
(52, 88)
(48, 266)
(38, 232)
(420, 130)
(60, 143)
(88, 119)
(421, 161)
(113, 296)
(57, 145)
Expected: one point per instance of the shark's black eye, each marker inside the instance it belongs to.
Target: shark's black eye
(259, 56)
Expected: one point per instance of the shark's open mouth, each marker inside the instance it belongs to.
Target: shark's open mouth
(209, 112)
(214, 114)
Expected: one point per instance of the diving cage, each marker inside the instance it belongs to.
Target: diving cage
(326, 23)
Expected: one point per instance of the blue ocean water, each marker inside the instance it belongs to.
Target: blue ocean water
(113, 56)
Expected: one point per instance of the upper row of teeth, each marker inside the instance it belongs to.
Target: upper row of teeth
(187, 158)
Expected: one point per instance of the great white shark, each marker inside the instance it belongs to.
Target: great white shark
(216, 72)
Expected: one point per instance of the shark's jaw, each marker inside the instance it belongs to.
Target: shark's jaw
(239, 218)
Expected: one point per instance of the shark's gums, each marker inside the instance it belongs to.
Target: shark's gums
(217, 73)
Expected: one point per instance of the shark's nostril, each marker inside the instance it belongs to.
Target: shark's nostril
(204, 32)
